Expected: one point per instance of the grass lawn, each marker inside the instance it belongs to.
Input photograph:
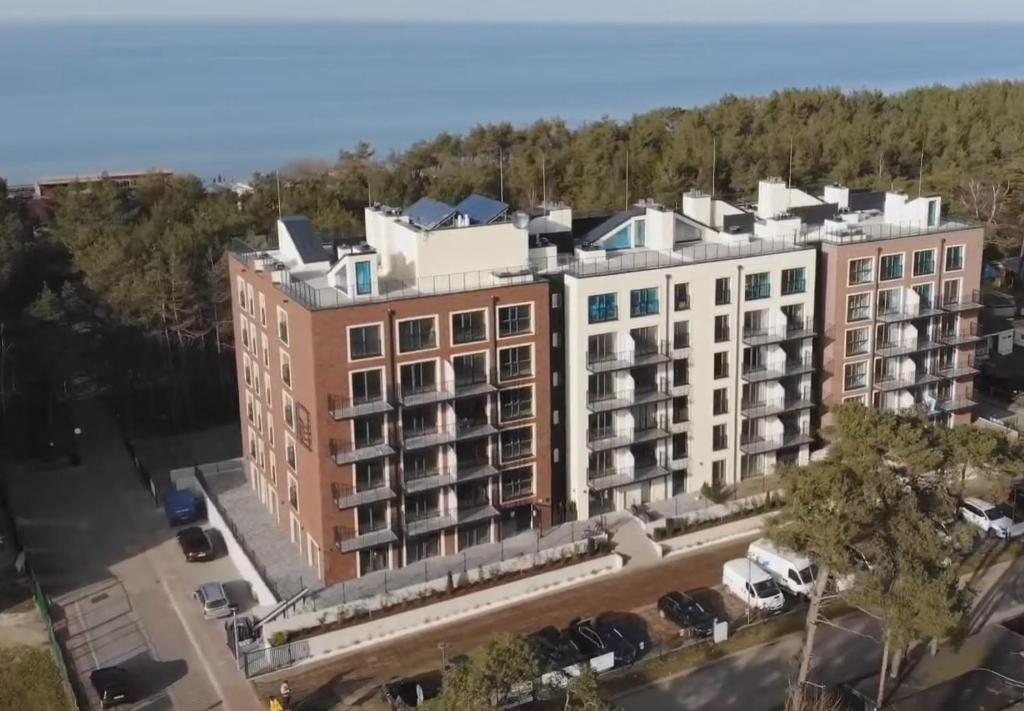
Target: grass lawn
(29, 679)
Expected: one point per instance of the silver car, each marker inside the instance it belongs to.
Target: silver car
(214, 600)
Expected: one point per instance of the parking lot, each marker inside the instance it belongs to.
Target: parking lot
(120, 587)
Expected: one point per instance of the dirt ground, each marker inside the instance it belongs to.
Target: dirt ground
(323, 685)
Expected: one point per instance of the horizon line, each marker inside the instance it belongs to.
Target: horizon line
(275, 19)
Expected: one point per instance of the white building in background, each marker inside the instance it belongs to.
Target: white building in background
(690, 345)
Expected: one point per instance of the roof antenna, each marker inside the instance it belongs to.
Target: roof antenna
(501, 173)
(277, 175)
(627, 178)
(714, 163)
(544, 182)
(789, 182)
(920, 173)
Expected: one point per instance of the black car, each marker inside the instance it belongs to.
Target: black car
(111, 685)
(195, 544)
(595, 639)
(686, 612)
(412, 692)
(624, 629)
(555, 650)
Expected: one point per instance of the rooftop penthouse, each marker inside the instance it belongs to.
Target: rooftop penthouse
(435, 248)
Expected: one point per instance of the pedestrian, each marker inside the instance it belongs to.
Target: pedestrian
(286, 694)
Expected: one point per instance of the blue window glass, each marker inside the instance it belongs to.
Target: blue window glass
(619, 240)
(602, 307)
(643, 302)
(758, 286)
(364, 278)
(639, 233)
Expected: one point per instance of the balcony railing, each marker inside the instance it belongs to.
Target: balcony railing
(777, 406)
(510, 493)
(624, 476)
(474, 512)
(957, 370)
(608, 438)
(963, 303)
(898, 347)
(776, 370)
(426, 394)
(897, 381)
(605, 402)
(421, 437)
(345, 408)
(515, 451)
(651, 354)
(415, 481)
(350, 452)
(908, 313)
(960, 336)
(760, 444)
(479, 383)
(347, 540)
(778, 334)
(346, 496)
(419, 522)
(474, 470)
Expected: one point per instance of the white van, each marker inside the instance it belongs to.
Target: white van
(793, 571)
(751, 583)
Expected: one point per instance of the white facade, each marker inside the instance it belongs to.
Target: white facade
(641, 391)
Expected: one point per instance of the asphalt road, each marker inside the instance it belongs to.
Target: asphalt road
(120, 586)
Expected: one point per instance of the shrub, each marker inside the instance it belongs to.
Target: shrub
(278, 639)
(714, 494)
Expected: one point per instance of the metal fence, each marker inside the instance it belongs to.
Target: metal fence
(268, 659)
(59, 660)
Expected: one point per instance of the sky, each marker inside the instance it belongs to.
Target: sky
(524, 10)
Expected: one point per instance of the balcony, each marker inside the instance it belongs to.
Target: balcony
(908, 313)
(419, 522)
(414, 438)
(361, 450)
(776, 371)
(473, 428)
(777, 406)
(960, 336)
(680, 347)
(964, 303)
(347, 540)
(346, 496)
(474, 470)
(412, 395)
(475, 512)
(650, 433)
(778, 334)
(679, 426)
(624, 476)
(512, 452)
(474, 384)
(957, 370)
(756, 444)
(598, 440)
(417, 481)
(342, 408)
(645, 354)
(887, 382)
(889, 349)
(955, 404)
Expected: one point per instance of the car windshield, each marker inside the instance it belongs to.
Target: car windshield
(809, 574)
(766, 588)
(692, 608)
(212, 604)
(995, 513)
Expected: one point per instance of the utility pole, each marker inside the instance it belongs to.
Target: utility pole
(627, 178)
(920, 173)
(501, 173)
(714, 163)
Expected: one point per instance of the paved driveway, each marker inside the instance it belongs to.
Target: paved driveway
(120, 587)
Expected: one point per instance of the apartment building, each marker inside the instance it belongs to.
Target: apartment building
(395, 392)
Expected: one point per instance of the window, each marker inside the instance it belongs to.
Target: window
(721, 401)
(954, 258)
(679, 446)
(718, 472)
(422, 548)
(364, 278)
(469, 327)
(857, 341)
(369, 431)
(682, 300)
(719, 438)
(474, 535)
(890, 267)
(293, 493)
(858, 307)
(645, 340)
(288, 406)
(602, 308)
(925, 296)
(924, 262)
(855, 375)
(514, 320)
(367, 386)
(600, 347)
(639, 233)
(470, 369)
(286, 369)
(681, 334)
(289, 452)
(265, 342)
(263, 310)
(721, 364)
(515, 363)
(369, 475)
(516, 483)
(643, 302)
(266, 382)
(890, 302)
(681, 371)
(417, 334)
(364, 342)
(418, 377)
(723, 294)
(860, 271)
(758, 286)
(950, 292)
(794, 281)
(516, 444)
(721, 328)
(516, 403)
(282, 325)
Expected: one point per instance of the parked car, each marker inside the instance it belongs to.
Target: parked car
(792, 571)
(112, 686)
(182, 506)
(213, 600)
(752, 584)
(412, 692)
(690, 615)
(595, 639)
(195, 544)
(555, 650)
(992, 519)
(625, 628)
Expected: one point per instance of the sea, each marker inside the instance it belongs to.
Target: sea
(227, 99)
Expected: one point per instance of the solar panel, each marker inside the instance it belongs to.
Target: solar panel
(428, 213)
(300, 230)
(481, 210)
